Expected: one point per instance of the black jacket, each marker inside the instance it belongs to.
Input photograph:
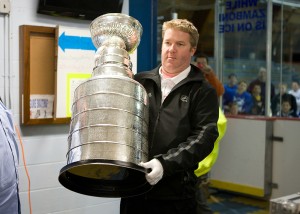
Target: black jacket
(182, 130)
(275, 103)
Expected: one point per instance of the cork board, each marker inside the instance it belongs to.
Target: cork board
(37, 74)
(42, 63)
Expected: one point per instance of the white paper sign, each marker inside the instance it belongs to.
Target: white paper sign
(41, 106)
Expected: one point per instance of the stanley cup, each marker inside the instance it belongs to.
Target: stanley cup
(109, 125)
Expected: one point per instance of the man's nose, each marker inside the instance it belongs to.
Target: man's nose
(172, 48)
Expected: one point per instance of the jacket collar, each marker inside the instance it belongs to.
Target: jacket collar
(194, 75)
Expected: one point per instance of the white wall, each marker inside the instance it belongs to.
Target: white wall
(45, 146)
(243, 157)
(286, 158)
(250, 157)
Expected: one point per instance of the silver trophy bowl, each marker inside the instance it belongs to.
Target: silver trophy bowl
(116, 29)
(108, 135)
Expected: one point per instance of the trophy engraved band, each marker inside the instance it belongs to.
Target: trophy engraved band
(108, 135)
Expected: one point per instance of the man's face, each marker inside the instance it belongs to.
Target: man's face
(176, 51)
(233, 80)
(282, 89)
(295, 86)
(257, 89)
(262, 74)
(201, 62)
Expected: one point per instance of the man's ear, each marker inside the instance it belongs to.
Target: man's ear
(193, 50)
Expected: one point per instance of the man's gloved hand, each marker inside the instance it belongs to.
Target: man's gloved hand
(156, 173)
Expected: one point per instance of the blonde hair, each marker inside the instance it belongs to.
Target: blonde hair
(184, 26)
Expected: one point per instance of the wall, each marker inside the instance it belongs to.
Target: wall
(45, 146)
(259, 157)
(286, 159)
(244, 157)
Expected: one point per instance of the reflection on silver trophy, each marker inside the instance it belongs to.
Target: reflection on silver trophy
(109, 126)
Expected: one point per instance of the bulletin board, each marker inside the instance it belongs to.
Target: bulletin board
(37, 75)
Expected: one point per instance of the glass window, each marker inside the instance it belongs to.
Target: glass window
(286, 59)
(266, 64)
(253, 47)
(242, 31)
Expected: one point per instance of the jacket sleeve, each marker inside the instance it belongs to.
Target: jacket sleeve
(204, 113)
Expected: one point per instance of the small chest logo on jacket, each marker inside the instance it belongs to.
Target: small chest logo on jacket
(184, 98)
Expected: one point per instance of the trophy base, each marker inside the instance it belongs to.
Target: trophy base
(104, 178)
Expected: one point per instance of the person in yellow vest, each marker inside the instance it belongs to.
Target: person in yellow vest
(201, 61)
(205, 166)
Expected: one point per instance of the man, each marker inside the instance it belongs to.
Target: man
(183, 113)
(230, 89)
(201, 61)
(295, 91)
(232, 82)
(9, 196)
(261, 80)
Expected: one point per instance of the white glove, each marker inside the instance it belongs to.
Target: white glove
(156, 173)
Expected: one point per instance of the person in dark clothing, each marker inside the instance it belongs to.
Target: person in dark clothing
(286, 110)
(283, 96)
(183, 115)
(261, 80)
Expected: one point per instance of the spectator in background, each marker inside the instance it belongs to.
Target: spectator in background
(233, 108)
(283, 96)
(9, 158)
(296, 93)
(261, 80)
(258, 107)
(243, 98)
(230, 89)
(286, 110)
(201, 61)
(232, 82)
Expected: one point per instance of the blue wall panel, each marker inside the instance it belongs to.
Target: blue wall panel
(146, 12)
